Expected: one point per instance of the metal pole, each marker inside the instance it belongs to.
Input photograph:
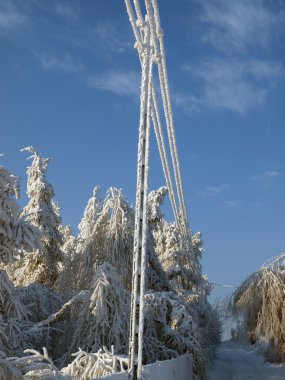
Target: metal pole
(140, 235)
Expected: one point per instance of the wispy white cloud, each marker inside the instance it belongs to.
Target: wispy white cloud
(188, 103)
(66, 11)
(120, 83)
(240, 25)
(266, 178)
(110, 37)
(62, 62)
(10, 17)
(235, 79)
(231, 84)
(232, 204)
(212, 191)
(70, 11)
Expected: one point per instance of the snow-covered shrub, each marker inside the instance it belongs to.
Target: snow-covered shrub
(93, 318)
(261, 300)
(170, 330)
(209, 322)
(104, 318)
(88, 366)
(17, 331)
(40, 301)
(9, 372)
(11, 312)
(16, 234)
(34, 365)
(85, 366)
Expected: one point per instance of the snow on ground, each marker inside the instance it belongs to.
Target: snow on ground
(237, 362)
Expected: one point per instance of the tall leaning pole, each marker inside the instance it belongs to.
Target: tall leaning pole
(149, 44)
(140, 234)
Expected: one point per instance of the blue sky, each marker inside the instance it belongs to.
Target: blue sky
(70, 87)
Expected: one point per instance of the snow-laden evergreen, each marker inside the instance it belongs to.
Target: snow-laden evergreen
(91, 214)
(110, 237)
(179, 260)
(42, 266)
(16, 233)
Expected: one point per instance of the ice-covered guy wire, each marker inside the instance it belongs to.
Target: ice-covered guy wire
(150, 46)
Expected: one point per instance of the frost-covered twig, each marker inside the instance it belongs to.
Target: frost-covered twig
(87, 365)
(34, 361)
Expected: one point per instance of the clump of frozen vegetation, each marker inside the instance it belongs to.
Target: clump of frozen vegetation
(16, 233)
(261, 301)
(71, 294)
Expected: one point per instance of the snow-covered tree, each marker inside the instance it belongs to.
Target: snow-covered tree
(180, 259)
(261, 300)
(176, 255)
(40, 212)
(91, 308)
(16, 233)
(80, 261)
(110, 239)
(93, 318)
(91, 215)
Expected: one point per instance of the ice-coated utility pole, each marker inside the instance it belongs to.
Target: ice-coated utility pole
(140, 235)
(149, 43)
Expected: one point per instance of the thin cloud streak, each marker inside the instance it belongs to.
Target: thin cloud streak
(120, 83)
(212, 191)
(232, 204)
(234, 77)
(63, 62)
(66, 11)
(10, 17)
(265, 179)
(231, 84)
(108, 35)
(240, 25)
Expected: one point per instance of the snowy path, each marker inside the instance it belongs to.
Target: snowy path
(236, 362)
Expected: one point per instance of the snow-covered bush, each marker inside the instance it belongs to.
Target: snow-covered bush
(104, 318)
(8, 371)
(93, 318)
(40, 301)
(88, 366)
(261, 300)
(85, 366)
(170, 330)
(12, 311)
(34, 365)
